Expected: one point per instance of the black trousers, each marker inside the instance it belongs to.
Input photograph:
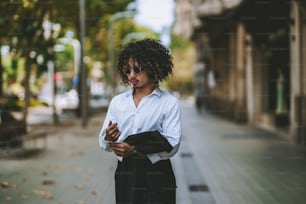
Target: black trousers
(138, 181)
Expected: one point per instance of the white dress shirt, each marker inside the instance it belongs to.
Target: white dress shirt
(158, 111)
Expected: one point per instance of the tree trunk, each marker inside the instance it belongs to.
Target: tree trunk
(26, 88)
(1, 74)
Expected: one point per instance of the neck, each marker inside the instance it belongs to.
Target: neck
(144, 91)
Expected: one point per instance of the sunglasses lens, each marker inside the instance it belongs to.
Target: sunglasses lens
(127, 70)
(137, 69)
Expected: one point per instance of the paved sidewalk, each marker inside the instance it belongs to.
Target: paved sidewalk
(72, 170)
(219, 162)
(241, 164)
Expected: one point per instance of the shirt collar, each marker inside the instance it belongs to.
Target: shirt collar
(156, 92)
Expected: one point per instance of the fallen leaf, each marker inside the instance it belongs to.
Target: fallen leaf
(79, 187)
(14, 186)
(39, 192)
(8, 198)
(55, 167)
(49, 196)
(4, 184)
(48, 182)
(36, 192)
(96, 193)
(78, 169)
(24, 179)
(24, 197)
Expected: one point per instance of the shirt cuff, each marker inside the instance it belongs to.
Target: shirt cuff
(154, 158)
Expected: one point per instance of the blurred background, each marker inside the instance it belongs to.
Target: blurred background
(239, 73)
(241, 59)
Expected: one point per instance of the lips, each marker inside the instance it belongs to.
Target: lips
(133, 81)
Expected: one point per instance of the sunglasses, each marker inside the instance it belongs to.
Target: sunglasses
(127, 70)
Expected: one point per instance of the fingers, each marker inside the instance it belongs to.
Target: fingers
(112, 131)
(122, 149)
(116, 135)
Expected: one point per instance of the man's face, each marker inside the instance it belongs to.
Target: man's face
(137, 76)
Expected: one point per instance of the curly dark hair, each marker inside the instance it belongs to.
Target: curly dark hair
(153, 58)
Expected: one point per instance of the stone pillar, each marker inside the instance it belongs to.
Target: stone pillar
(240, 108)
(296, 44)
(250, 81)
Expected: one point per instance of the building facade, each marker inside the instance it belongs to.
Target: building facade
(251, 59)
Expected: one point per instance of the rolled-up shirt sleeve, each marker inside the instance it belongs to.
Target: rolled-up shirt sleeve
(171, 130)
(102, 142)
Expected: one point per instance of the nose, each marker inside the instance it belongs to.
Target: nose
(133, 73)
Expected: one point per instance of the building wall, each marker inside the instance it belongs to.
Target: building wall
(302, 109)
(295, 58)
(298, 73)
(241, 97)
(258, 84)
(185, 18)
(245, 64)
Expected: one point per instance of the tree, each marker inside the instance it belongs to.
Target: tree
(32, 15)
(182, 52)
(96, 12)
(23, 20)
(7, 22)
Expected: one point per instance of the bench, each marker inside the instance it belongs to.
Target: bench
(34, 136)
(10, 145)
(14, 134)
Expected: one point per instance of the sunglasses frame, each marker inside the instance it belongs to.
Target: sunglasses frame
(127, 71)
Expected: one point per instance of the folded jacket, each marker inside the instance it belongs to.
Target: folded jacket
(149, 142)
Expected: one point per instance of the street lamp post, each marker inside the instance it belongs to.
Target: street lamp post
(83, 97)
(134, 35)
(76, 54)
(51, 31)
(111, 55)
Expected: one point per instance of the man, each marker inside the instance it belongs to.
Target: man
(144, 173)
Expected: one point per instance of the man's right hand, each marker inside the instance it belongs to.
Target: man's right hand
(112, 132)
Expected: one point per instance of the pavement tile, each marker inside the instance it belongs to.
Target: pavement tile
(239, 164)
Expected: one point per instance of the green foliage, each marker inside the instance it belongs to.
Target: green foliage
(183, 87)
(122, 30)
(177, 42)
(12, 104)
(21, 26)
(67, 13)
(64, 59)
(182, 52)
(14, 64)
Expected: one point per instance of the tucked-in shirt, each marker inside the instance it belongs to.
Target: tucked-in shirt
(158, 111)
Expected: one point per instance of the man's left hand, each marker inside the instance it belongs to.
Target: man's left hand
(122, 149)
